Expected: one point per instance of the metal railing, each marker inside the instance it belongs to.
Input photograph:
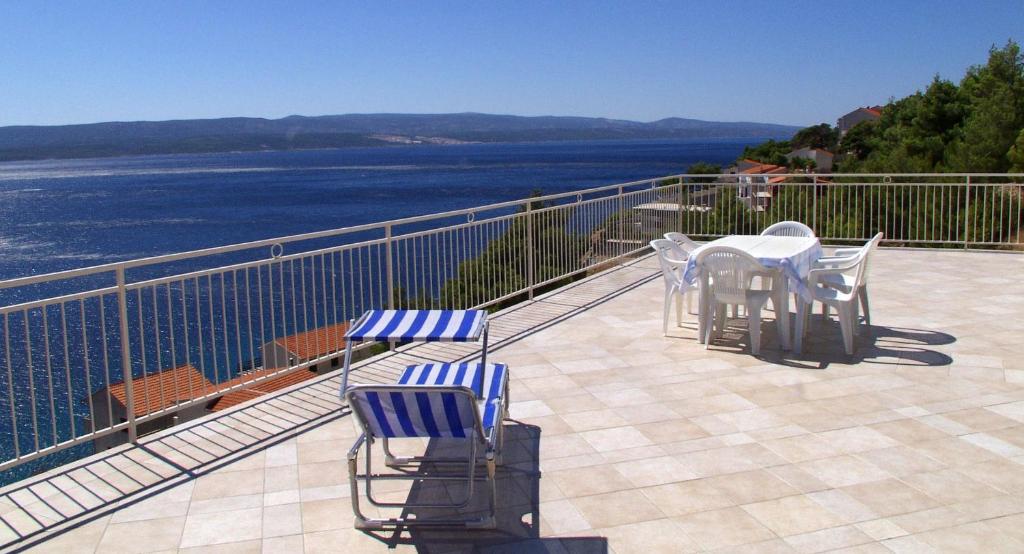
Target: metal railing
(102, 354)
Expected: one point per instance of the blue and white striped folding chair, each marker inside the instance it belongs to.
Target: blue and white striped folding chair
(416, 326)
(449, 411)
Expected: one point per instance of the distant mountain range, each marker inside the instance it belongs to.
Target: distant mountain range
(336, 131)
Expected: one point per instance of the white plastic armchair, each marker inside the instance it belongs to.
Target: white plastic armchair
(788, 229)
(685, 242)
(672, 259)
(822, 281)
(842, 281)
(727, 279)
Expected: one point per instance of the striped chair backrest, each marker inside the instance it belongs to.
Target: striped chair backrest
(395, 411)
(419, 325)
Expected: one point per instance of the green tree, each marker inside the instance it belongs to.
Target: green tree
(768, 152)
(1016, 154)
(817, 136)
(994, 97)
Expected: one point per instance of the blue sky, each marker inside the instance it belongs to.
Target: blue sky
(783, 62)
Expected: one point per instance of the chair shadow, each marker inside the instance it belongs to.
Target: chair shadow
(518, 508)
(823, 345)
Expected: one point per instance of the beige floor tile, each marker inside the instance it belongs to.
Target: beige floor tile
(971, 537)
(587, 481)
(596, 419)
(841, 471)
(677, 430)
(155, 534)
(752, 486)
(647, 472)
(831, 539)
(890, 497)
(222, 527)
(235, 483)
(662, 535)
(881, 529)
(617, 508)
(901, 460)
(615, 438)
(324, 515)
(949, 486)
(723, 528)
(1012, 525)
(562, 516)
(687, 497)
(282, 520)
(732, 459)
(856, 439)
(792, 515)
(802, 448)
(275, 545)
(242, 547)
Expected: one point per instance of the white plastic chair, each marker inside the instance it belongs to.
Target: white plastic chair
(788, 229)
(841, 281)
(685, 242)
(672, 259)
(727, 279)
(822, 281)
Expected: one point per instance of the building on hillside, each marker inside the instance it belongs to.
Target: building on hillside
(743, 165)
(822, 158)
(310, 345)
(845, 123)
(757, 185)
(258, 389)
(152, 393)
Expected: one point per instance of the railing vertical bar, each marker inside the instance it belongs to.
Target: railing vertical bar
(142, 352)
(31, 378)
(67, 370)
(238, 324)
(213, 331)
(186, 335)
(49, 374)
(126, 360)
(88, 370)
(10, 384)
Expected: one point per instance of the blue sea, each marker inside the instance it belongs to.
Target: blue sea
(65, 214)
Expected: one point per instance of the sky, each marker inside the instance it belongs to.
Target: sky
(790, 62)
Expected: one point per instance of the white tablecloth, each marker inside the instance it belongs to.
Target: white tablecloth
(793, 255)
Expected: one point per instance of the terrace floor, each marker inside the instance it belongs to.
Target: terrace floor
(625, 440)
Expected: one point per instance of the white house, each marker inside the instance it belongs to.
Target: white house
(847, 122)
(822, 158)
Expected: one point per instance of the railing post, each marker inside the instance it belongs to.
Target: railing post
(389, 273)
(967, 213)
(814, 206)
(679, 219)
(622, 230)
(529, 250)
(126, 355)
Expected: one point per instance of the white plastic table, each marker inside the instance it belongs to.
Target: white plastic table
(792, 256)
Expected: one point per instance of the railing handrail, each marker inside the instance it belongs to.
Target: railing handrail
(164, 258)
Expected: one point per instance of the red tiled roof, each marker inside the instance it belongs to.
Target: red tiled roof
(875, 111)
(764, 168)
(235, 398)
(316, 343)
(166, 388)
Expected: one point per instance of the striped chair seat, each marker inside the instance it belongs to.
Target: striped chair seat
(419, 325)
(466, 374)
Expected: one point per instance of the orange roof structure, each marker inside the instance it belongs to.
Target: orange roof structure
(267, 386)
(166, 388)
(316, 343)
(763, 169)
(877, 110)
